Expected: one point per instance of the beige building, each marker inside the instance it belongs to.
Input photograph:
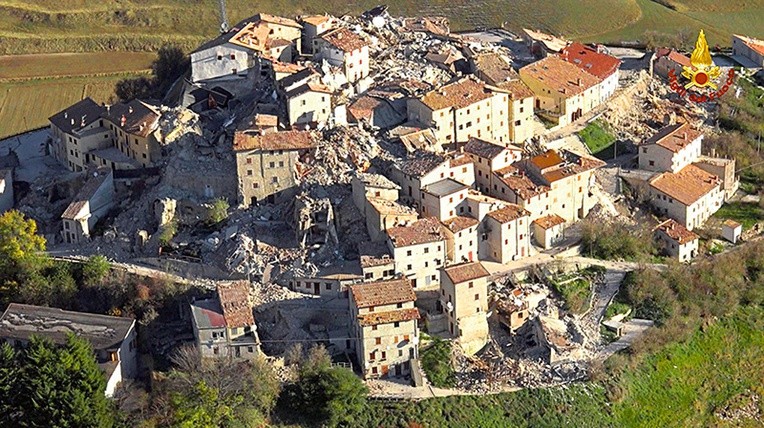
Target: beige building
(671, 149)
(521, 113)
(385, 323)
(676, 240)
(549, 230)
(487, 157)
(597, 63)
(419, 250)
(731, 230)
(268, 165)
(563, 91)
(309, 104)
(331, 281)
(541, 44)
(92, 202)
(461, 239)
(724, 169)
(6, 190)
(689, 196)
(505, 234)
(346, 50)
(383, 214)
(135, 130)
(550, 183)
(312, 27)
(376, 261)
(464, 298)
(664, 60)
(376, 186)
(77, 130)
(749, 48)
(462, 110)
(444, 199)
(224, 326)
(423, 168)
(479, 205)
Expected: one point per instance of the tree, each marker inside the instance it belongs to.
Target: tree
(170, 64)
(219, 211)
(95, 270)
(129, 89)
(20, 245)
(53, 385)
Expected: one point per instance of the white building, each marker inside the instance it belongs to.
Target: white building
(312, 27)
(309, 104)
(114, 339)
(676, 240)
(6, 190)
(506, 235)
(346, 50)
(91, 203)
(597, 63)
(464, 298)
(461, 239)
(487, 157)
(549, 230)
(671, 149)
(750, 48)
(689, 196)
(419, 250)
(444, 199)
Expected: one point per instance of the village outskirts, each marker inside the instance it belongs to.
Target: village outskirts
(376, 185)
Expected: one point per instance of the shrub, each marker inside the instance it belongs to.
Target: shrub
(436, 363)
(95, 270)
(219, 211)
(167, 233)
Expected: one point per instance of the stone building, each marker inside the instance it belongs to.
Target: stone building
(563, 91)
(268, 165)
(461, 239)
(444, 199)
(689, 196)
(664, 60)
(312, 27)
(749, 48)
(376, 261)
(385, 324)
(382, 214)
(309, 104)
(548, 231)
(677, 242)
(505, 234)
(92, 202)
(344, 49)
(114, 339)
(366, 186)
(464, 298)
(419, 250)
(224, 325)
(541, 44)
(488, 157)
(461, 110)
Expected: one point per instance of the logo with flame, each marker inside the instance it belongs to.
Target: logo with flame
(703, 75)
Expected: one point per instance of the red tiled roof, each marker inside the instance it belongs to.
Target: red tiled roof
(420, 232)
(486, 149)
(459, 94)
(466, 272)
(234, 299)
(674, 137)
(344, 39)
(509, 213)
(677, 232)
(686, 186)
(547, 159)
(382, 293)
(559, 75)
(549, 221)
(589, 60)
(459, 223)
(388, 317)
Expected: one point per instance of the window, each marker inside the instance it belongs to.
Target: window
(652, 163)
(272, 164)
(408, 267)
(471, 284)
(378, 341)
(220, 57)
(371, 358)
(368, 275)
(399, 306)
(396, 324)
(233, 56)
(249, 172)
(408, 253)
(255, 185)
(374, 328)
(477, 296)
(281, 163)
(275, 180)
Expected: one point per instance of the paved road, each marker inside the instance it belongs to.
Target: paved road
(633, 329)
(603, 294)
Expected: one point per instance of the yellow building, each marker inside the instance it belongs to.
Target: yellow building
(464, 298)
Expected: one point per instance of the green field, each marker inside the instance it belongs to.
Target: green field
(27, 105)
(747, 214)
(14, 67)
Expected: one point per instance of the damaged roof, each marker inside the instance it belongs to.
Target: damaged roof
(459, 94)
(495, 68)
(421, 231)
(382, 293)
(509, 213)
(102, 331)
(560, 75)
(284, 140)
(677, 232)
(234, 300)
(522, 184)
(674, 137)
(374, 254)
(134, 117)
(344, 39)
(465, 272)
(376, 180)
(308, 87)
(686, 186)
(420, 163)
(388, 317)
(385, 207)
(96, 179)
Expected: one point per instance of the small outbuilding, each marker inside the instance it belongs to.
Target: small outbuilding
(548, 231)
(731, 230)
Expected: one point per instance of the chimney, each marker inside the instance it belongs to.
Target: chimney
(122, 121)
(578, 81)
(684, 135)
(108, 108)
(72, 121)
(66, 115)
(130, 109)
(82, 121)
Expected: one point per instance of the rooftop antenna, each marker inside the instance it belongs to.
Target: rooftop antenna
(223, 18)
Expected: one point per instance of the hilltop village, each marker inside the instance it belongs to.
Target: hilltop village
(372, 183)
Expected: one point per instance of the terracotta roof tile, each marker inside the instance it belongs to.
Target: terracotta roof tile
(523, 185)
(549, 221)
(95, 180)
(139, 118)
(588, 59)
(686, 186)
(731, 223)
(459, 94)
(559, 75)
(516, 89)
(677, 232)
(755, 44)
(466, 272)
(383, 206)
(674, 137)
(374, 254)
(547, 159)
(344, 39)
(382, 293)
(389, 317)
(273, 19)
(509, 213)
(486, 149)
(574, 165)
(234, 299)
(285, 140)
(420, 232)
(420, 163)
(316, 20)
(459, 223)
(459, 161)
